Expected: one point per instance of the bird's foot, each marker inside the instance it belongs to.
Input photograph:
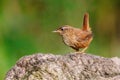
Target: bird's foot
(79, 52)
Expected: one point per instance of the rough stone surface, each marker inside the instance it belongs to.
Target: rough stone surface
(73, 66)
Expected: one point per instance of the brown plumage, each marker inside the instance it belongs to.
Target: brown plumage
(77, 38)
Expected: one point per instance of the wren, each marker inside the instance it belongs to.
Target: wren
(77, 38)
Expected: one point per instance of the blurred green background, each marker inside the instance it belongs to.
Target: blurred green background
(26, 27)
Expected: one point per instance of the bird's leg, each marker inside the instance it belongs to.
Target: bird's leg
(83, 50)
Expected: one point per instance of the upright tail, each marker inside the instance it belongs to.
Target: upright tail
(86, 26)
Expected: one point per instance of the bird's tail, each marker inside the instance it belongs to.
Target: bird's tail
(86, 26)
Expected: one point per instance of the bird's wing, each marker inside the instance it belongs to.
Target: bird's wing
(83, 36)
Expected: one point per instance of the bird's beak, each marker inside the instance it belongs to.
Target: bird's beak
(56, 31)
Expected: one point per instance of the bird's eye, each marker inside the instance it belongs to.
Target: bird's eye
(62, 29)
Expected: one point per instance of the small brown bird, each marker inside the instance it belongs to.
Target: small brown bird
(77, 38)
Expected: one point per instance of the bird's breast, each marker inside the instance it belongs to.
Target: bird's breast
(69, 40)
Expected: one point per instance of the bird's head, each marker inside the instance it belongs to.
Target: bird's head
(64, 29)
